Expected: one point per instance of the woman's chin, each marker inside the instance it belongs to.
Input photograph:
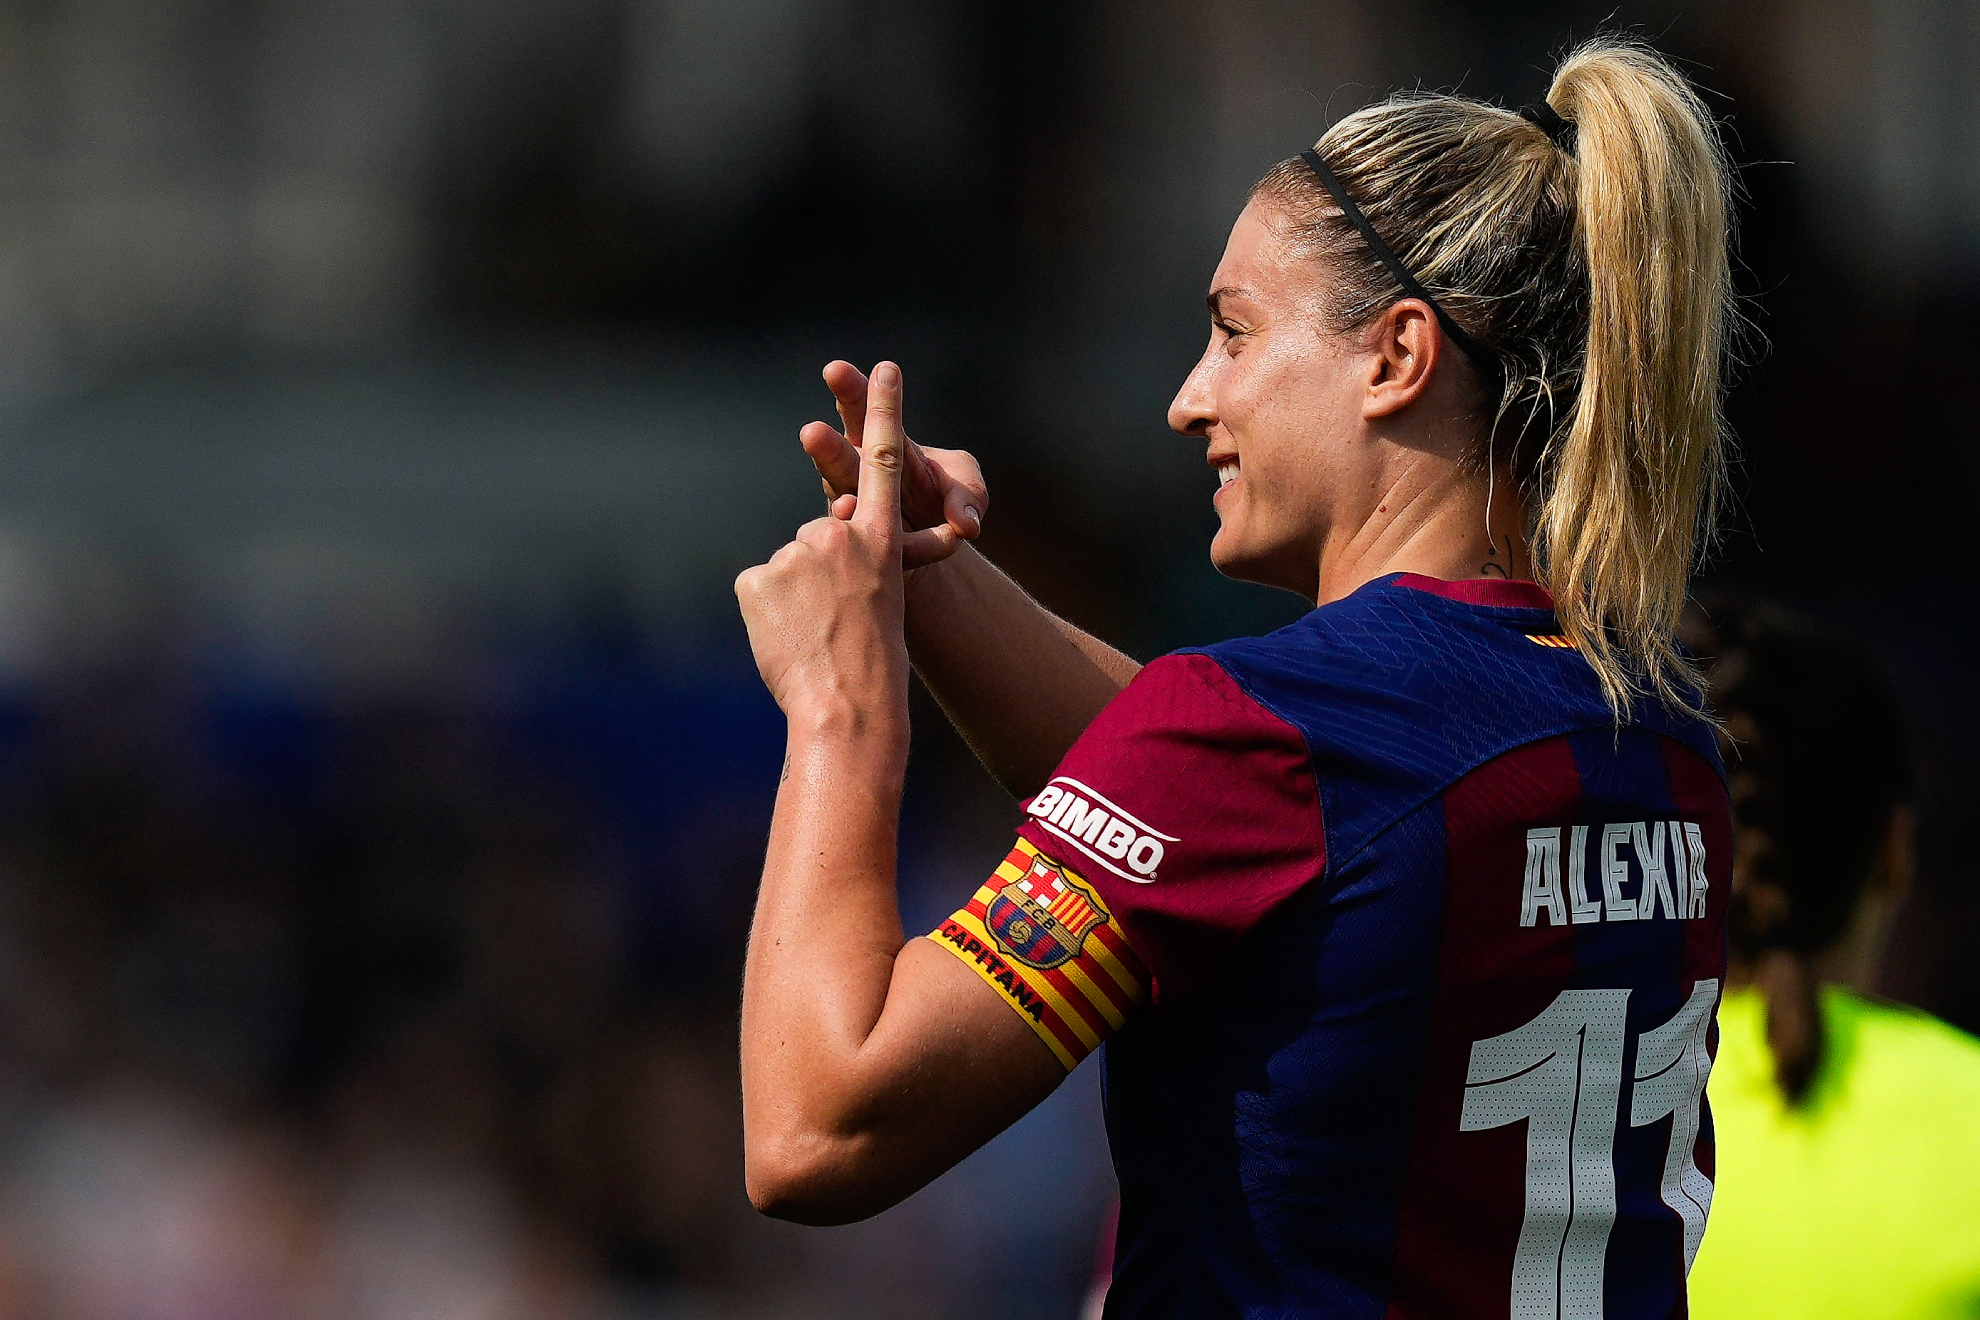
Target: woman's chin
(1225, 555)
(1231, 557)
(1242, 563)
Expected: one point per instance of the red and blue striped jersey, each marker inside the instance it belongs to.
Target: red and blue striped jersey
(1406, 955)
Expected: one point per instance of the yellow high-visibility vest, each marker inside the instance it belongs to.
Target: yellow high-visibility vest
(1865, 1200)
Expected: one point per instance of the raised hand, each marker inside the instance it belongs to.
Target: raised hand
(943, 497)
(825, 613)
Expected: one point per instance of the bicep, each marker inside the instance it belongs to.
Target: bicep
(962, 1055)
(983, 1019)
(948, 1066)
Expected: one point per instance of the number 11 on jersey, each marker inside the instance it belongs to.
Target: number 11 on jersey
(1562, 1074)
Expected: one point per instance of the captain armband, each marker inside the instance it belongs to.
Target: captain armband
(1045, 941)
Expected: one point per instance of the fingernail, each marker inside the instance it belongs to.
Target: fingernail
(970, 513)
(886, 375)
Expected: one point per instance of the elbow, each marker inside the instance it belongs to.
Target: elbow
(774, 1177)
(813, 1178)
(783, 1189)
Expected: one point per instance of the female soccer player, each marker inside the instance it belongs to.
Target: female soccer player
(1406, 921)
(1850, 1127)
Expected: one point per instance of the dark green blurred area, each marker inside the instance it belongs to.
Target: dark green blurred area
(389, 393)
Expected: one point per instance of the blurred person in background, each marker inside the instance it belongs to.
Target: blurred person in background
(1849, 1128)
(1327, 891)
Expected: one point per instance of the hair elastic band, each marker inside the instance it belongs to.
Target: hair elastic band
(1487, 366)
(1548, 120)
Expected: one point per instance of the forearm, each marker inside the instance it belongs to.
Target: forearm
(827, 927)
(867, 1067)
(1018, 682)
(869, 1063)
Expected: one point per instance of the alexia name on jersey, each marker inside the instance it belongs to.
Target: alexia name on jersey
(1644, 871)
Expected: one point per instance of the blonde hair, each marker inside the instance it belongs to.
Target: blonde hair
(1595, 272)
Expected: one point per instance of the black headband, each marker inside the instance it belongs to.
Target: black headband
(1549, 121)
(1487, 366)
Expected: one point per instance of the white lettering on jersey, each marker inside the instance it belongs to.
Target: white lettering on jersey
(1656, 880)
(1669, 886)
(1585, 908)
(1615, 872)
(1561, 1075)
(1543, 879)
(1099, 828)
(1694, 839)
(1680, 870)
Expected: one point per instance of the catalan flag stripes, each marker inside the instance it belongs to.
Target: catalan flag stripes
(1557, 640)
(1073, 999)
(1071, 908)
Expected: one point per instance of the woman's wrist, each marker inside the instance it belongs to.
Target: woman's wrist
(922, 585)
(934, 596)
(837, 728)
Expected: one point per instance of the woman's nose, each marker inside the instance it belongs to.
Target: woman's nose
(1193, 412)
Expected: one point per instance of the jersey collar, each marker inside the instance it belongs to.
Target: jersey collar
(1504, 593)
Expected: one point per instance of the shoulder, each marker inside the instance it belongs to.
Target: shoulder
(1403, 650)
(1192, 694)
(1908, 1090)
(1883, 1056)
(1191, 809)
(1912, 1047)
(1414, 678)
(1183, 758)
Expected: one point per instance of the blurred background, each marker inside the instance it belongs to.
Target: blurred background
(389, 392)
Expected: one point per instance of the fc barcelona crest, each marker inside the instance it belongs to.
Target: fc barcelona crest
(1043, 918)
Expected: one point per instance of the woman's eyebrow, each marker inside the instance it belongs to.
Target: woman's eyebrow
(1214, 300)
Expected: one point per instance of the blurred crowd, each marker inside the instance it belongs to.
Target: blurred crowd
(385, 1009)
(378, 1010)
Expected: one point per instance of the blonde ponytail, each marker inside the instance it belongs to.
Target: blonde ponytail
(1635, 478)
(1594, 268)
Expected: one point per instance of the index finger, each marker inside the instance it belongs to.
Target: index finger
(883, 454)
(848, 388)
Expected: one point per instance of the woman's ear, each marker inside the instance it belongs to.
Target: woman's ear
(1892, 872)
(1407, 346)
(1857, 957)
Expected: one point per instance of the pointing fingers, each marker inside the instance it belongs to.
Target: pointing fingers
(940, 491)
(848, 385)
(929, 546)
(883, 453)
(833, 455)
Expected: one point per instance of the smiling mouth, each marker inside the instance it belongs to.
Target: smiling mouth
(1226, 473)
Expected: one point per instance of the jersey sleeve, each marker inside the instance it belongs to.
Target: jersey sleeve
(1182, 817)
